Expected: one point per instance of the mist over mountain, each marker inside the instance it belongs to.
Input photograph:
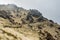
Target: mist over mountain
(17, 23)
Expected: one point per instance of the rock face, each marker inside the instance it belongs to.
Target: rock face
(20, 24)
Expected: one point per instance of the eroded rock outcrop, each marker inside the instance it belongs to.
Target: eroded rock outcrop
(22, 24)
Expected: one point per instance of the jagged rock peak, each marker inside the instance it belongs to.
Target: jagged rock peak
(25, 24)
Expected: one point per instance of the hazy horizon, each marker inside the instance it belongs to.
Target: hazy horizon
(49, 8)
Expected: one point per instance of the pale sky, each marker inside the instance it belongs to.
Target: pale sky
(49, 8)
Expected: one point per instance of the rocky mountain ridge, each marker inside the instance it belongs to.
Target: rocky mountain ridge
(20, 24)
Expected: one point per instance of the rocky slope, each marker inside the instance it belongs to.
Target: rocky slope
(20, 24)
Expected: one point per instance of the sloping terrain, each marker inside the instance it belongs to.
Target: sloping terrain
(20, 24)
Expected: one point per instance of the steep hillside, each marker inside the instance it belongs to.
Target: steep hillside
(20, 24)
